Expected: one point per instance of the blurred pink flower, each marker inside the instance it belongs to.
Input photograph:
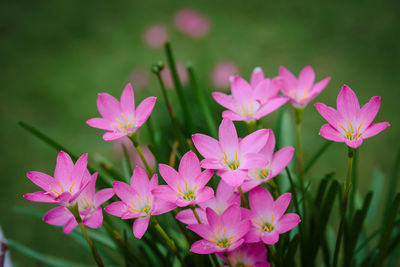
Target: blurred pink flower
(192, 23)
(133, 155)
(155, 36)
(254, 254)
(167, 77)
(139, 78)
(221, 73)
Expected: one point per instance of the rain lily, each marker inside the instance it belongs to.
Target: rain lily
(140, 77)
(301, 90)
(276, 163)
(252, 101)
(133, 154)
(350, 123)
(187, 186)
(192, 23)
(231, 157)
(222, 72)
(121, 118)
(155, 36)
(138, 202)
(268, 218)
(224, 198)
(247, 255)
(89, 204)
(166, 76)
(68, 183)
(222, 233)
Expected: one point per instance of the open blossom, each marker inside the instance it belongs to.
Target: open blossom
(222, 233)
(252, 101)
(68, 183)
(247, 255)
(276, 163)
(350, 123)
(187, 186)
(222, 72)
(192, 23)
(224, 198)
(301, 90)
(140, 77)
(133, 154)
(155, 36)
(230, 157)
(89, 205)
(138, 202)
(121, 118)
(268, 216)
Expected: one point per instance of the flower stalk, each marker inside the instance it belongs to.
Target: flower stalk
(228, 261)
(75, 211)
(299, 117)
(135, 143)
(243, 197)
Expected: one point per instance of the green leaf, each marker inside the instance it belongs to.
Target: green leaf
(126, 163)
(317, 155)
(392, 185)
(288, 259)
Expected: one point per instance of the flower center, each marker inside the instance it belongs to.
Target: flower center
(247, 109)
(222, 241)
(188, 194)
(352, 133)
(231, 164)
(259, 173)
(265, 226)
(123, 124)
(141, 207)
(58, 192)
(84, 202)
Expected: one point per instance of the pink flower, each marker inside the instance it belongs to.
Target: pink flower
(224, 198)
(166, 76)
(302, 90)
(268, 218)
(221, 73)
(68, 183)
(276, 163)
(155, 36)
(252, 101)
(133, 155)
(140, 78)
(138, 202)
(223, 233)
(230, 157)
(349, 123)
(121, 118)
(89, 204)
(254, 254)
(192, 23)
(186, 187)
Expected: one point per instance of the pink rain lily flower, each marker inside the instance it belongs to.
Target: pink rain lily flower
(141, 77)
(231, 157)
(155, 36)
(121, 118)
(222, 233)
(222, 72)
(252, 101)
(166, 75)
(89, 204)
(187, 186)
(224, 198)
(192, 23)
(247, 255)
(138, 202)
(276, 163)
(350, 123)
(268, 218)
(301, 90)
(133, 154)
(68, 183)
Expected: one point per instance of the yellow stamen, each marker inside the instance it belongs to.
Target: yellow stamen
(351, 126)
(62, 189)
(360, 126)
(186, 185)
(134, 209)
(178, 187)
(140, 203)
(219, 228)
(55, 192)
(147, 198)
(70, 189)
(132, 203)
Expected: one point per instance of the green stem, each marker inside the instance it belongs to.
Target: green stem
(346, 189)
(75, 211)
(228, 261)
(167, 239)
(243, 197)
(272, 254)
(135, 142)
(195, 213)
(274, 187)
(299, 116)
(250, 125)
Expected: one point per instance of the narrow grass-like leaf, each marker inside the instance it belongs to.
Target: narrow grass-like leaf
(127, 163)
(317, 155)
(354, 181)
(289, 259)
(278, 124)
(377, 183)
(392, 185)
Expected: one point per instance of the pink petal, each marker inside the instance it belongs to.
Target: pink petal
(124, 191)
(374, 129)
(103, 195)
(250, 184)
(228, 136)
(281, 160)
(224, 100)
(140, 226)
(202, 230)
(207, 146)
(117, 208)
(169, 174)
(213, 164)
(241, 90)
(70, 225)
(253, 236)
(128, 100)
(64, 166)
(40, 196)
(144, 110)
(332, 116)
(111, 136)
(233, 178)
(330, 133)
(269, 147)
(204, 194)
(260, 200)
(287, 222)
(270, 238)
(95, 220)
(271, 106)
(212, 218)
(189, 167)
(139, 180)
(153, 182)
(233, 116)
(204, 177)
(100, 123)
(165, 192)
(254, 141)
(288, 79)
(58, 216)
(203, 247)
(369, 111)
(347, 103)
(355, 143)
(78, 170)
(319, 86)
(44, 181)
(224, 191)
(64, 198)
(231, 216)
(306, 77)
(281, 204)
(253, 160)
(161, 206)
(108, 106)
(187, 217)
(256, 77)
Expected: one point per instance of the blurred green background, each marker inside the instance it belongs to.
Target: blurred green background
(56, 56)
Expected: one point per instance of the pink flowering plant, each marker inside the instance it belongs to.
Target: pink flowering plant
(189, 193)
